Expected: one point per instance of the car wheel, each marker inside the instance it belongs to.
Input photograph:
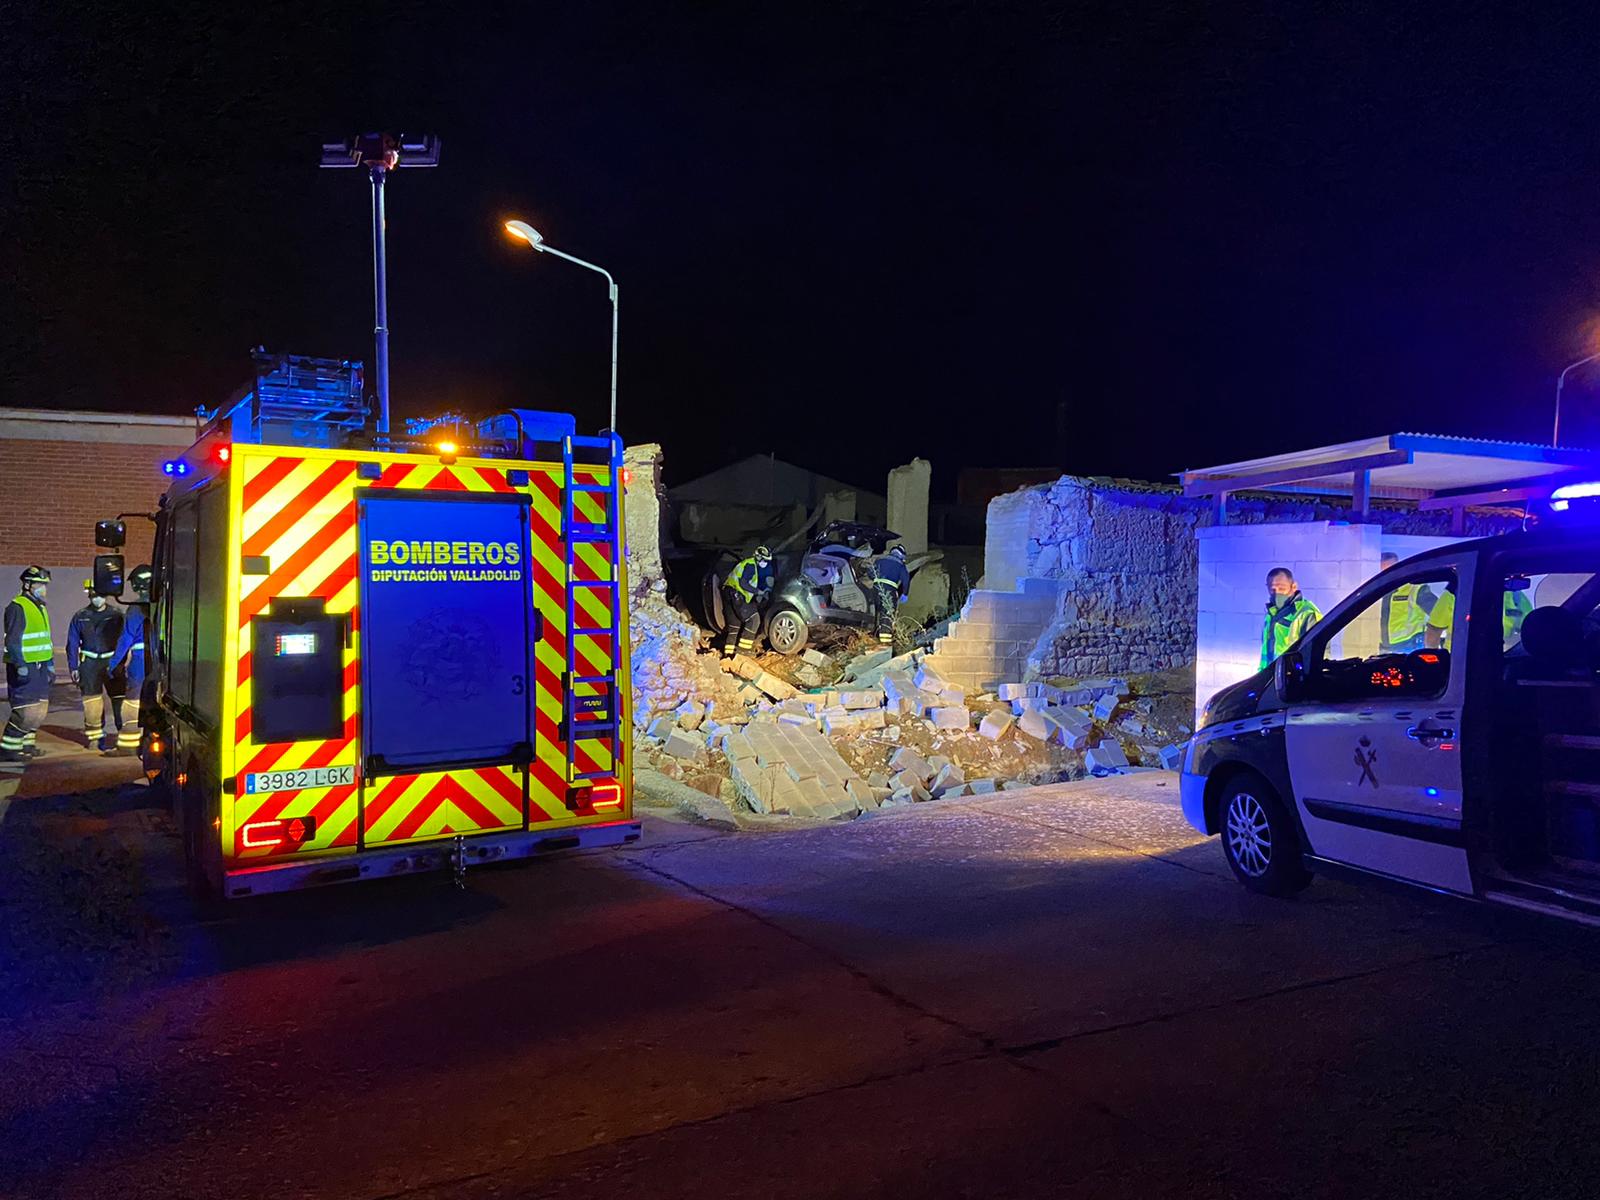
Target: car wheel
(1259, 839)
(787, 631)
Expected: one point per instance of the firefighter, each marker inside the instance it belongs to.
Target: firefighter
(30, 667)
(892, 582)
(744, 593)
(91, 645)
(1289, 615)
(130, 658)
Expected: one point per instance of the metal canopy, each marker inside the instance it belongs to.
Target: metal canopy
(1437, 471)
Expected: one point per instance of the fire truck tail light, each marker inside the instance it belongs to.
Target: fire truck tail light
(257, 835)
(605, 796)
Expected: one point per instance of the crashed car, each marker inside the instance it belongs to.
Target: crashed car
(829, 584)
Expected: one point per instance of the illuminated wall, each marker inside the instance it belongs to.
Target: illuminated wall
(1329, 560)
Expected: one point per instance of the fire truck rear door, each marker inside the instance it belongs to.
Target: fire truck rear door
(447, 632)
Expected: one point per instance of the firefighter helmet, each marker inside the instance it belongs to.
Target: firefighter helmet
(35, 575)
(898, 551)
(763, 555)
(140, 579)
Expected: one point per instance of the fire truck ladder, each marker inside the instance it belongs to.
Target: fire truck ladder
(600, 698)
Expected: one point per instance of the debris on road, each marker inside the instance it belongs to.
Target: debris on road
(889, 730)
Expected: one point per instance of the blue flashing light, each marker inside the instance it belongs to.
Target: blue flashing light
(175, 466)
(1431, 791)
(1561, 499)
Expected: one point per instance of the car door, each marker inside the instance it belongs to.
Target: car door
(1374, 749)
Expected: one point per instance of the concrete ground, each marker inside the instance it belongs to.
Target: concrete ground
(1054, 992)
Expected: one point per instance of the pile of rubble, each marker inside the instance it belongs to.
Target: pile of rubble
(893, 732)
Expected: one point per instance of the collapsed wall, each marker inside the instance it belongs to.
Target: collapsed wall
(668, 672)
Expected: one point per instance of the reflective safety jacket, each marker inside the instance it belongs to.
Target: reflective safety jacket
(130, 648)
(93, 636)
(1514, 606)
(27, 632)
(749, 578)
(1285, 624)
(1405, 617)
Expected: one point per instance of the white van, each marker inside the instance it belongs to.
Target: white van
(1470, 766)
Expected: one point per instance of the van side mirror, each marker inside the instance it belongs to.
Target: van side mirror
(108, 570)
(1289, 676)
(111, 534)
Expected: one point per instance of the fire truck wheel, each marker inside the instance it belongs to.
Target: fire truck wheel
(194, 832)
(163, 792)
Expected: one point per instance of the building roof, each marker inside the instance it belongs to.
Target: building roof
(1437, 470)
(763, 479)
(69, 425)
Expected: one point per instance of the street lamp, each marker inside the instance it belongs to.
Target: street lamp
(527, 233)
(1561, 379)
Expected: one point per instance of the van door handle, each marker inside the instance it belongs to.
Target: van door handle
(1419, 733)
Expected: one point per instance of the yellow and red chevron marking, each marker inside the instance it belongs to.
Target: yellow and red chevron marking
(298, 511)
(408, 808)
(593, 653)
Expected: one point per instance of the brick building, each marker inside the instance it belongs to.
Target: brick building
(62, 472)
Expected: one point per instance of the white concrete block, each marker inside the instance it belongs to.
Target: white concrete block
(996, 724)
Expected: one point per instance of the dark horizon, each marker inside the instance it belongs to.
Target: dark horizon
(1115, 243)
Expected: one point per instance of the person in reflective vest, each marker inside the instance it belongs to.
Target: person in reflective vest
(129, 657)
(1514, 606)
(91, 645)
(892, 583)
(743, 593)
(1289, 615)
(30, 667)
(1405, 613)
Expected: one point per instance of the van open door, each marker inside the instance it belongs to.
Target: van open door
(1374, 733)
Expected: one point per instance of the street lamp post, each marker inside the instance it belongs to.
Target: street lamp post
(527, 233)
(1561, 379)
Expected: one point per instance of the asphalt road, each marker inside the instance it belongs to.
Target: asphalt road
(1058, 992)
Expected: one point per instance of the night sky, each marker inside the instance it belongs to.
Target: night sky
(1117, 240)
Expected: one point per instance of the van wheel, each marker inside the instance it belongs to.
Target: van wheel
(786, 631)
(1260, 841)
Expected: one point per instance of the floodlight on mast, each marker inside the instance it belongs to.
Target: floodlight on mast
(380, 153)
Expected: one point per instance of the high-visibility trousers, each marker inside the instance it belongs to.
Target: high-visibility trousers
(128, 735)
(744, 621)
(888, 603)
(30, 700)
(96, 686)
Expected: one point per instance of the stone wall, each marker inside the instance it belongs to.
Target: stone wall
(1124, 561)
(644, 519)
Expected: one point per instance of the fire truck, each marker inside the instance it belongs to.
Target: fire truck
(373, 655)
